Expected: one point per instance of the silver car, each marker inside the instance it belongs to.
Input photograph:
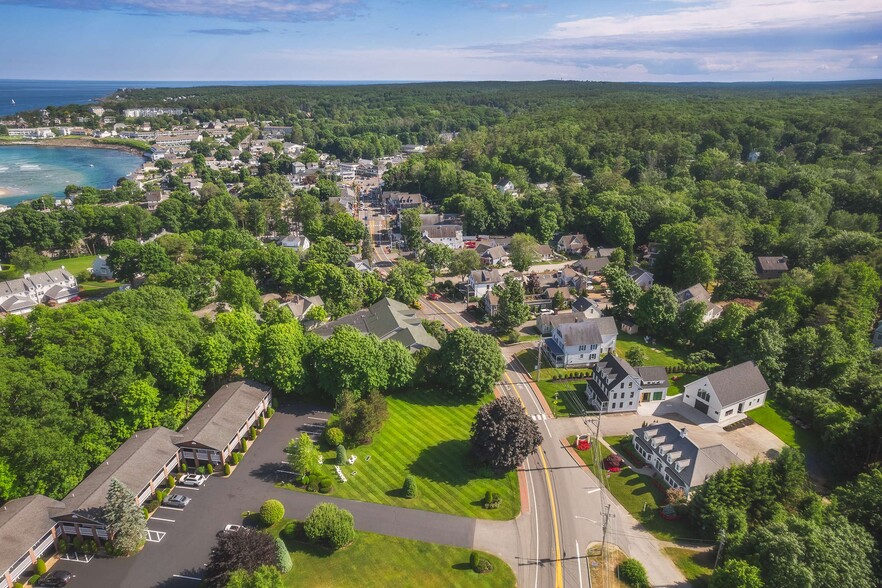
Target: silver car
(176, 500)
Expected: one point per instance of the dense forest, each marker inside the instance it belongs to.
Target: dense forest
(714, 175)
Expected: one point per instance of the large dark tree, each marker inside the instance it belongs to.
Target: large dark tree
(503, 435)
(246, 550)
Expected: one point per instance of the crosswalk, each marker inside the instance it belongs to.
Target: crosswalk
(539, 417)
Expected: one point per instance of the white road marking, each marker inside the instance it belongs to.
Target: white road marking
(318, 419)
(579, 563)
(159, 519)
(187, 577)
(536, 518)
(174, 508)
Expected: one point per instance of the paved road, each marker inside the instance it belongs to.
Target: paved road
(178, 559)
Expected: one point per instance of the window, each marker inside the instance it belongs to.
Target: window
(582, 348)
(615, 395)
(677, 466)
(622, 385)
(593, 347)
(630, 384)
(703, 395)
(632, 394)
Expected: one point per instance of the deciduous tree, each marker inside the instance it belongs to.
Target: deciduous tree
(503, 435)
(470, 364)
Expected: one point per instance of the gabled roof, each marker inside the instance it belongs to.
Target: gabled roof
(216, 423)
(567, 240)
(697, 463)
(591, 265)
(582, 303)
(615, 369)
(300, 305)
(442, 231)
(483, 276)
(555, 320)
(134, 463)
(653, 373)
(737, 383)
(590, 332)
(772, 263)
(22, 522)
(497, 252)
(386, 319)
(637, 273)
(696, 293)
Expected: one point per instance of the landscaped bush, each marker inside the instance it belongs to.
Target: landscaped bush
(32, 580)
(330, 526)
(201, 470)
(152, 505)
(313, 485)
(18, 585)
(341, 455)
(209, 469)
(62, 545)
(290, 531)
(271, 512)
(261, 422)
(270, 412)
(170, 481)
(410, 487)
(480, 564)
(78, 543)
(227, 469)
(492, 500)
(334, 436)
(244, 445)
(285, 563)
(41, 566)
(326, 485)
(184, 467)
(237, 457)
(160, 495)
(253, 432)
(632, 573)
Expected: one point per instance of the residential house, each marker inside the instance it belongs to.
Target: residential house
(679, 461)
(298, 243)
(490, 303)
(591, 266)
(546, 323)
(768, 268)
(877, 335)
(572, 244)
(22, 295)
(447, 235)
(629, 327)
(505, 185)
(386, 319)
(356, 261)
(480, 281)
(616, 386)
(641, 277)
(216, 430)
(543, 252)
(182, 139)
(300, 305)
(276, 132)
(553, 291)
(495, 256)
(432, 219)
(728, 392)
(586, 307)
(402, 200)
(698, 293)
(581, 343)
(100, 268)
(570, 277)
(154, 198)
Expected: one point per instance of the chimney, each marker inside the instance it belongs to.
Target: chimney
(683, 433)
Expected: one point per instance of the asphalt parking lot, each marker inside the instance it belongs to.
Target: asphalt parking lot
(178, 558)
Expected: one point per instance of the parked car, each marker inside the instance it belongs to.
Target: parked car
(433, 296)
(74, 299)
(229, 530)
(176, 500)
(193, 480)
(55, 578)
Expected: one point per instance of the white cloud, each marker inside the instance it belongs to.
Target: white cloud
(723, 16)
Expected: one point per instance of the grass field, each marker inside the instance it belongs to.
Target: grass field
(528, 360)
(75, 265)
(377, 561)
(656, 354)
(695, 565)
(565, 398)
(602, 570)
(773, 418)
(427, 436)
(677, 386)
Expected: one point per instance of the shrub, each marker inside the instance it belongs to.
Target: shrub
(144, 511)
(341, 455)
(492, 500)
(473, 560)
(62, 545)
(334, 436)
(326, 486)
(244, 445)
(32, 580)
(152, 505)
(90, 546)
(410, 487)
(170, 481)
(632, 573)
(160, 495)
(484, 566)
(41, 566)
(184, 467)
(209, 469)
(253, 432)
(237, 457)
(285, 563)
(329, 525)
(270, 412)
(313, 485)
(271, 512)
(201, 470)
(109, 548)
(261, 422)
(18, 585)
(289, 531)
(78, 543)
(227, 469)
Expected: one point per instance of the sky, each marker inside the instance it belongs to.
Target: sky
(423, 40)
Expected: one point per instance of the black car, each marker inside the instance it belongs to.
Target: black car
(55, 578)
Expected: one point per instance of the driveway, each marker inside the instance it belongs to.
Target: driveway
(178, 559)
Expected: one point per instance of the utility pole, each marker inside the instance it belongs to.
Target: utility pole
(720, 548)
(539, 360)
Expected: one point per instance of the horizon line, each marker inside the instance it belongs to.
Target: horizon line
(461, 81)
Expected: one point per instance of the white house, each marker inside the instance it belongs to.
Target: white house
(572, 244)
(21, 295)
(100, 269)
(641, 277)
(581, 343)
(729, 392)
(698, 293)
(481, 281)
(495, 256)
(298, 243)
(447, 235)
(616, 386)
(505, 185)
(679, 461)
(586, 307)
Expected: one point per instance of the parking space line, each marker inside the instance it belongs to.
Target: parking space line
(187, 577)
(159, 519)
(171, 508)
(318, 419)
(179, 487)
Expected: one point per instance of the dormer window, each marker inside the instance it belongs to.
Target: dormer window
(670, 458)
(677, 466)
(654, 443)
(661, 450)
(646, 435)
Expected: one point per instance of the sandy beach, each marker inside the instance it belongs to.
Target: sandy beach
(85, 143)
(3, 193)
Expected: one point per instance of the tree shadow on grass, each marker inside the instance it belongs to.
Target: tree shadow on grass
(462, 566)
(449, 462)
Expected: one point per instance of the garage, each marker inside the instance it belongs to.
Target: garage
(702, 406)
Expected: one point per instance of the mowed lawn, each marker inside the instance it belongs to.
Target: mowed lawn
(772, 418)
(427, 436)
(566, 398)
(377, 561)
(656, 354)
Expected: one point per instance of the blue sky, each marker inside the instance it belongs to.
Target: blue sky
(644, 40)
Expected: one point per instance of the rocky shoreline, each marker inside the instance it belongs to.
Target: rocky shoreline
(84, 143)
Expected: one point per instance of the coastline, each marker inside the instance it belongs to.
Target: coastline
(84, 143)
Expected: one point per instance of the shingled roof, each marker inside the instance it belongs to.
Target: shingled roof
(22, 522)
(217, 422)
(738, 383)
(590, 332)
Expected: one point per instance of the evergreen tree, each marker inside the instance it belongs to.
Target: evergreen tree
(126, 524)
(513, 310)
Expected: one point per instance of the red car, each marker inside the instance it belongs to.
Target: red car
(74, 299)
(470, 244)
(433, 296)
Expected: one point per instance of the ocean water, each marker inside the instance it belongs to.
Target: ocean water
(34, 94)
(29, 171)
